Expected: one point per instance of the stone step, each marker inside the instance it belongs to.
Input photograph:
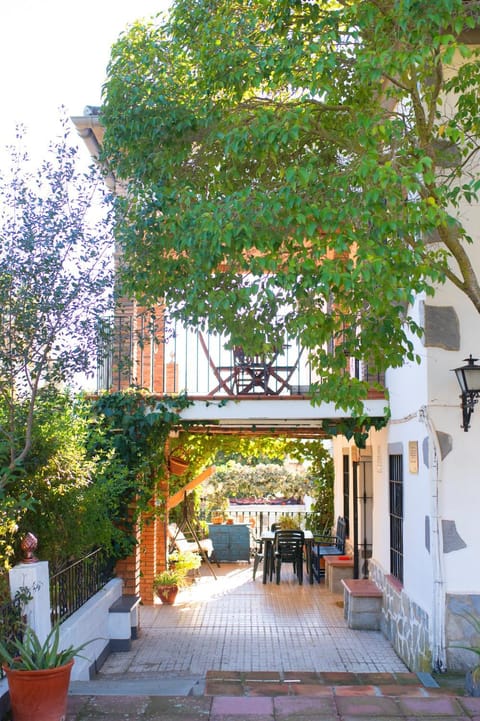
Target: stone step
(272, 683)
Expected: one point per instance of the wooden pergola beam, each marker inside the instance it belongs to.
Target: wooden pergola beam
(180, 495)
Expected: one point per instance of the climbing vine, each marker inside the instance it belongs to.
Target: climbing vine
(355, 428)
(129, 432)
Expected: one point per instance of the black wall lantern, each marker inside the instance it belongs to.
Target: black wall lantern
(468, 378)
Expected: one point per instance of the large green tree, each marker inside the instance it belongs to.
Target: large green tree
(293, 169)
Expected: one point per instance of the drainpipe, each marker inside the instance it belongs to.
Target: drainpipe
(356, 559)
(437, 633)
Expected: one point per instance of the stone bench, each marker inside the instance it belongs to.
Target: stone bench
(362, 604)
(123, 622)
(336, 569)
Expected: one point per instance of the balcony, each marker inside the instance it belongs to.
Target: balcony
(169, 359)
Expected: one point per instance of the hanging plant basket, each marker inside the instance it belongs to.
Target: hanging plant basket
(178, 461)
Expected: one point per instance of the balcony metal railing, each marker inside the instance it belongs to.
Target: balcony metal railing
(166, 358)
(149, 351)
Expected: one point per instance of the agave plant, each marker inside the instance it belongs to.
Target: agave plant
(474, 621)
(29, 654)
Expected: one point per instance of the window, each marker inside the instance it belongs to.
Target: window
(396, 516)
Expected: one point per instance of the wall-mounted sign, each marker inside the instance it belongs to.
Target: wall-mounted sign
(413, 456)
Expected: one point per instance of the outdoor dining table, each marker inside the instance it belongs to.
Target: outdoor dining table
(268, 538)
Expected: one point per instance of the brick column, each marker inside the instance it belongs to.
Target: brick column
(129, 568)
(148, 552)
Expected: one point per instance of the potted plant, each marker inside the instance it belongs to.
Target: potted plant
(184, 561)
(38, 675)
(289, 523)
(167, 583)
(472, 677)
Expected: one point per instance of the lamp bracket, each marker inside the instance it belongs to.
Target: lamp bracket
(469, 400)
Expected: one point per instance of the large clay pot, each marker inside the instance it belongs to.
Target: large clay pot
(167, 594)
(39, 695)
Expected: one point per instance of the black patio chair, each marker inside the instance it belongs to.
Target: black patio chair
(288, 548)
(256, 545)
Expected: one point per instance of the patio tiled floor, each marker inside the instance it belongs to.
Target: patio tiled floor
(237, 624)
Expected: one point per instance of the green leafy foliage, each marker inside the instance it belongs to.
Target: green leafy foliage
(268, 481)
(287, 523)
(56, 479)
(295, 169)
(88, 460)
(12, 618)
(356, 428)
(180, 563)
(56, 263)
(321, 474)
(61, 495)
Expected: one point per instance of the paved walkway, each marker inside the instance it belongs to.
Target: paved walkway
(338, 703)
(233, 649)
(237, 624)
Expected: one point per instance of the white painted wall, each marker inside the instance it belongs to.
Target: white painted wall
(90, 622)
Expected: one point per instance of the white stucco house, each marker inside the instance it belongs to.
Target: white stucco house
(414, 493)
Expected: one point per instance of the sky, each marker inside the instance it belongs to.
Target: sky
(54, 53)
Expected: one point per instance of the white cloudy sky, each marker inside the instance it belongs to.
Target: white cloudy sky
(54, 53)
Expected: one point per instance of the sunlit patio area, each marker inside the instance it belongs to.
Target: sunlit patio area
(233, 623)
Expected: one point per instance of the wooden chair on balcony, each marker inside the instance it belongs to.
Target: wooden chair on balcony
(250, 374)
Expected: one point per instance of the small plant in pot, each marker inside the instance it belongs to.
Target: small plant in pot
(289, 523)
(38, 675)
(167, 583)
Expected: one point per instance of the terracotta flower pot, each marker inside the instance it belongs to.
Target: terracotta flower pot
(40, 695)
(167, 594)
(177, 466)
(178, 461)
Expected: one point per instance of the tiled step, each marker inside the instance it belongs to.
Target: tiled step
(305, 683)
